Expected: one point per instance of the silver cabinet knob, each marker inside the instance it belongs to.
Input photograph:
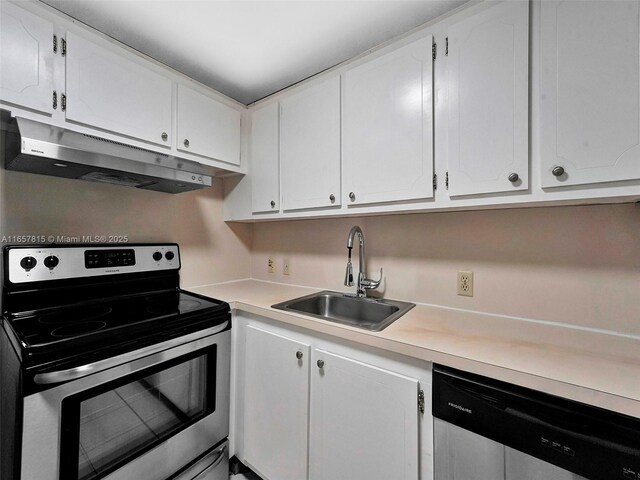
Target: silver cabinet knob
(320, 363)
(514, 177)
(164, 136)
(299, 355)
(186, 143)
(557, 171)
(352, 196)
(332, 198)
(273, 204)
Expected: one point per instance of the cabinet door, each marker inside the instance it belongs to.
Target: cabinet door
(310, 147)
(276, 405)
(265, 165)
(520, 466)
(364, 422)
(590, 92)
(488, 100)
(207, 127)
(388, 127)
(111, 92)
(463, 455)
(26, 56)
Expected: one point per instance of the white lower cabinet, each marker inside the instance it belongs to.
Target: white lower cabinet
(276, 404)
(364, 421)
(308, 407)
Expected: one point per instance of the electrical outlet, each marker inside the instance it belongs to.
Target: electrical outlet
(286, 267)
(465, 284)
(271, 265)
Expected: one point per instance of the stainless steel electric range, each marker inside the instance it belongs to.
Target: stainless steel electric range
(109, 369)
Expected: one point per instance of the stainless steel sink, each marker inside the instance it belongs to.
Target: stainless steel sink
(369, 313)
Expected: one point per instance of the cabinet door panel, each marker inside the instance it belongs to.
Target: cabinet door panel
(111, 92)
(488, 95)
(590, 91)
(207, 127)
(364, 422)
(26, 56)
(276, 405)
(310, 147)
(464, 455)
(388, 126)
(265, 165)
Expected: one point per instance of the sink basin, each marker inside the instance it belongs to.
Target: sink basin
(372, 314)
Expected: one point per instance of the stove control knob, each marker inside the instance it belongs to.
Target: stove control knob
(51, 262)
(28, 263)
(157, 256)
(169, 256)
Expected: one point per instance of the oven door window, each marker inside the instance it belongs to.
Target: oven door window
(110, 425)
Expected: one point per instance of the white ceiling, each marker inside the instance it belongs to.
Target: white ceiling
(250, 49)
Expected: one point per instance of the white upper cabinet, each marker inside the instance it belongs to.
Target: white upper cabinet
(26, 58)
(276, 405)
(388, 127)
(589, 92)
(488, 101)
(108, 91)
(310, 147)
(265, 167)
(364, 421)
(207, 127)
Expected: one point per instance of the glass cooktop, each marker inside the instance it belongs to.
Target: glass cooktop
(51, 328)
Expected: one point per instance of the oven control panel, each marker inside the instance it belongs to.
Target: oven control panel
(36, 264)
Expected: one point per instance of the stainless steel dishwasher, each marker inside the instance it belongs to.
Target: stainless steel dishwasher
(491, 430)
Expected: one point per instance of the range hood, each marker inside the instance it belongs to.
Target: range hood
(36, 147)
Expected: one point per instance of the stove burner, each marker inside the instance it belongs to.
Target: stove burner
(170, 305)
(75, 314)
(79, 328)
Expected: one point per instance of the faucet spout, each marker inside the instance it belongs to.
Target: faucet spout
(364, 283)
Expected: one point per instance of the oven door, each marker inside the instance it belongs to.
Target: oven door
(144, 419)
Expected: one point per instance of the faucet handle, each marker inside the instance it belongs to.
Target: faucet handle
(369, 284)
(348, 276)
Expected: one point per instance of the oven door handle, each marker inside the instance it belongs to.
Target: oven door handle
(74, 373)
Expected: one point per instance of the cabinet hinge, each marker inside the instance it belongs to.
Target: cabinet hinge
(63, 102)
(421, 401)
(434, 50)
(446, 46)
(55, 100)
(435, 181)
(63, 46)
(55, 44)
(446, 180)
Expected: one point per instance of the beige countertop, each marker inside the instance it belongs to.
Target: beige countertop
(593, 367)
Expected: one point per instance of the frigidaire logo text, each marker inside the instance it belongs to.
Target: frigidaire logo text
(462, 409)
(112, 271)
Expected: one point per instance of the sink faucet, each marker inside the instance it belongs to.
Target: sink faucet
(364, 283)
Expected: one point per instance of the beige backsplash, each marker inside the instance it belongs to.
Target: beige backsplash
(211, 250)
(576, 265)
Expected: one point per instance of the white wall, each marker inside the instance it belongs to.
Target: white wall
(576, 265)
